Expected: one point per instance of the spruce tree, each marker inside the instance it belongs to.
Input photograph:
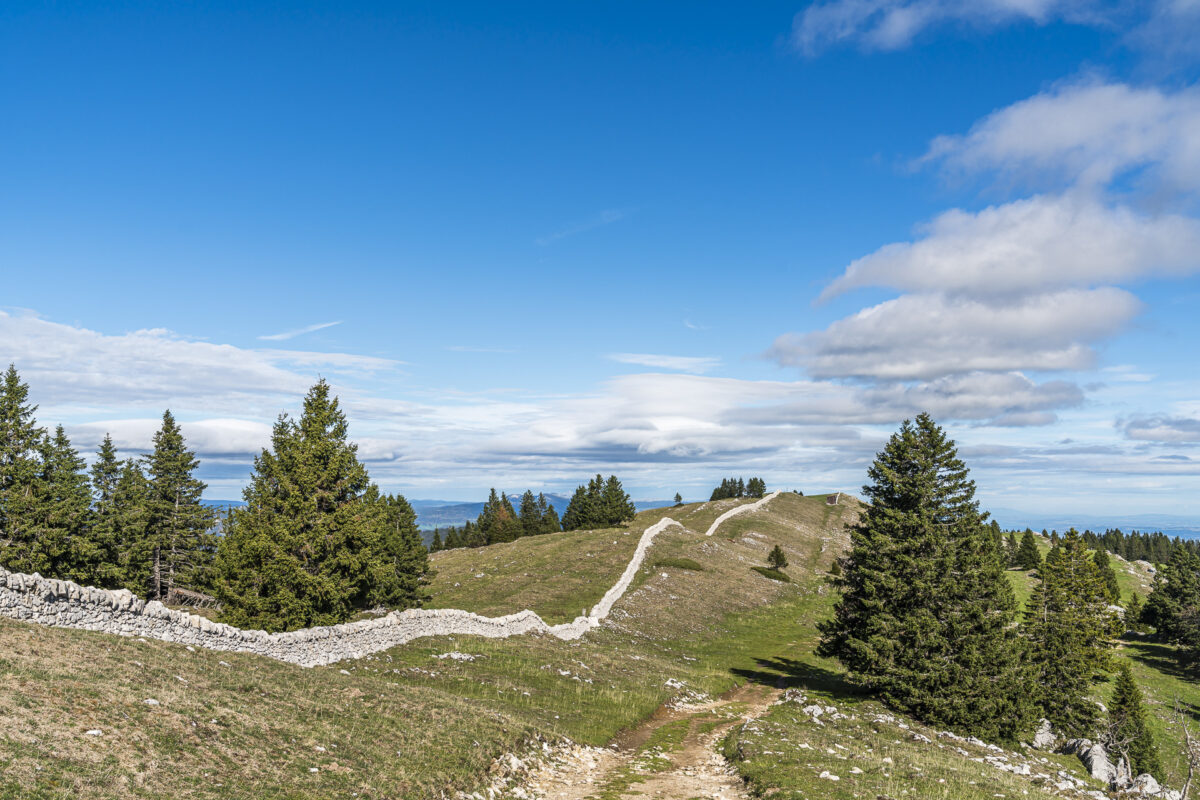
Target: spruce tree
(64, 537)
(128, 522)
(678, 499)
(1173, 607)
(1011, 547)
(21, 480)
(550, 521)
(530, 514)
(398, 568)
(1067, 625)
(1028, 555)
(498, 521)
(1133, 613)
(924, 618)
(178, 524)
(316, 540)
(1104, 567)
(436, 544)
(776, 559)
(102, 538)
(1127, 732)
(618, 507)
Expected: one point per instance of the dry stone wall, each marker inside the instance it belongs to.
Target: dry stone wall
(32, 598)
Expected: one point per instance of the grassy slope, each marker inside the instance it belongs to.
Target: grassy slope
(1158, 668)
(402, 723)
(408, 724)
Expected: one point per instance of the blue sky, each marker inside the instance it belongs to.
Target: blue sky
(532, 242)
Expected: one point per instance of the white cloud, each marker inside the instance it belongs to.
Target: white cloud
(694, 364)
(606, 217)
(156, 368)
(1163, 428)
(893, 24)
(213, 437)
(927, 336)
(1029, 245)
(280, 337)
(1088, 133)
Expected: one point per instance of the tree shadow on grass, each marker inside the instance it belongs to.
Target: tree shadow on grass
(1169, 661)
(785, 673)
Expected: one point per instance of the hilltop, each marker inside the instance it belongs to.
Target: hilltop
(441, 715)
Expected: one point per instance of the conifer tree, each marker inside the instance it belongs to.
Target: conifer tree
(1010, 548)
(1133, 613)
(178, 524)
(618, 508)
(1067, 625)
(776, 559)
(103, 541)
(924, 619)
(1173, 607)
(1104, 567)
(65, 536)
(579, 512)
(756, 487)
(678, 499)
(399, 569)
(316, 540)
(1028, 555)
(550, 522)
(436, 544)
(62, 512)
(20, 476)
(530, 514)
(498, 521)
(1127, 732)
(128, 520)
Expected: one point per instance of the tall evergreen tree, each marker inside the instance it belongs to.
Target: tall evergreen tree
(618, 507)
(579, 511)
(21, 478)
(65, 535)
(1011, 547)
(436, 544)
(103, 537)
(678, 499)
(530, 514)
(924, 619)
(1133, 613)
(1127, 732)
(128, 522)
(1067, 625)
(316, 540)
(1028, 555)
(498, 521)
(178, 524)
(397, 574)
(550, 521)
(1104, 567)
(1173, 607)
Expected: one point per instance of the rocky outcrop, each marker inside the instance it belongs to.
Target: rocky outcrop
(1045, 737)
(1093, 757)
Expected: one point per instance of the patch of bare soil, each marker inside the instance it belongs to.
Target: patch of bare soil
(644, 763)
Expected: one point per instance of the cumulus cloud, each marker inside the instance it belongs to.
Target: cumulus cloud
(927, 336)
(1030, 245)
(893, 24)
(213, 437)
(1088, 133)
(693, 364)
(1163, 428)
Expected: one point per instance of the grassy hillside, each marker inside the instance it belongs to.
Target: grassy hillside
(414, 722)
(405, 723)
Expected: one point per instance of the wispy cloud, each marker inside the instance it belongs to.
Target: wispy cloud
(464, 348)
(693, 364)
(687, 323)
(281, 337)
(606, 217)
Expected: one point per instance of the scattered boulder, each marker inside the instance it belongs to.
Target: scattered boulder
(1093, 757)
(1044, 739)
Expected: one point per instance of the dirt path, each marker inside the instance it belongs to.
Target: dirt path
(673, 756)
